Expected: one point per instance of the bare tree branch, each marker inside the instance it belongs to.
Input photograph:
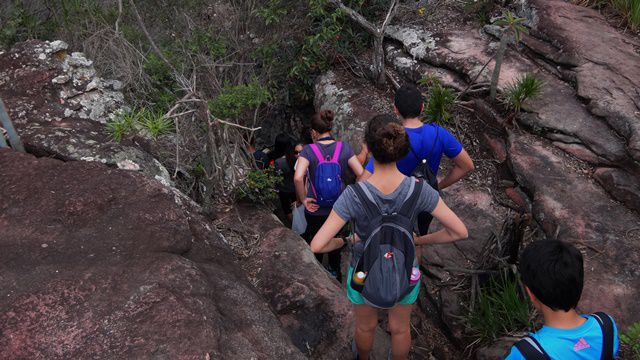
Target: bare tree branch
(390, 14)
(355, 16)
(146, 33)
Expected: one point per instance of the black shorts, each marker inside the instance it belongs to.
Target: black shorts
(424, 220)
(286, 199)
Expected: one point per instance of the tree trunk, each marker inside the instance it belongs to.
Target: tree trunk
(378, 60)
(504, 40)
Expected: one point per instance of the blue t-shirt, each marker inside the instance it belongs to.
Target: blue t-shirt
(422, 140)
(581, 343)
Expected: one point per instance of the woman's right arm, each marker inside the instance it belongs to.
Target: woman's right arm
(453, 228)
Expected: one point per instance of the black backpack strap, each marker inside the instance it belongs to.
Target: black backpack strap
(408, 207)
(606, 325)
(531, 349)
(370, 207)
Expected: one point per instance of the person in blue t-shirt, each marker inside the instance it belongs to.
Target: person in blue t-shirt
(427, 141)
(552, 272)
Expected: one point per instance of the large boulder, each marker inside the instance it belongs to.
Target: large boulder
(59, 106)
(105, 263)
(571, 206)
(605, 60)
(557, 110)
(311, 306)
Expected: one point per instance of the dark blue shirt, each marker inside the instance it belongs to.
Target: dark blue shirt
(422, 141)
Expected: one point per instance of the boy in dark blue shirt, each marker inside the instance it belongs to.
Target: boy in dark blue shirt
(552, 272)
(428, 141)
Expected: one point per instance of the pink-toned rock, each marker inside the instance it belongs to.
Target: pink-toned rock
(312, 307)
(581, 152)
(497, 147)
(557, 109)
(622, 185)
(606, 62)
(571, 206)
(105, 263)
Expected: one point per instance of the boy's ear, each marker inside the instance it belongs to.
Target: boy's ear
(395, 110)
(421, 108)
(530, 294)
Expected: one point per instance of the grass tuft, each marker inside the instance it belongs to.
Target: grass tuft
(517, 93)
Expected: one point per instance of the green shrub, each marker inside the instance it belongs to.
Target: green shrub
(260, 186)
(500, 309)
(203, 42)
(233, 100)
(631, 338)
(273, 12)
(440, 101)
(525, 88)
(19, 24)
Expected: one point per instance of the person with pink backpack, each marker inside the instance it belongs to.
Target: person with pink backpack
(325, 162)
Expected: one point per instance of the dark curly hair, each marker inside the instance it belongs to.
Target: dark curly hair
(322, 122)
(386, 139)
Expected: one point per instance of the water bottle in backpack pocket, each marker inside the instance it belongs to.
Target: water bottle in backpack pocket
(327, 183)
(389, 256)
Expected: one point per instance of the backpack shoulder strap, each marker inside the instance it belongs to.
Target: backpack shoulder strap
(370, 207)
(606, 325)
(336, 152)
(531, 349)
(317, 152)
(408, 207)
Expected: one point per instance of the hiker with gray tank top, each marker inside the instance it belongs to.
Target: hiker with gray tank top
(325, 162)
(382, 270)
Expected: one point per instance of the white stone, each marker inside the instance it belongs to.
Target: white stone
(62, 79)
(42, 56)
(58, 45)
(128, 165)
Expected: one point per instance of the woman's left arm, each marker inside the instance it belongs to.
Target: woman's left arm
(324, 241)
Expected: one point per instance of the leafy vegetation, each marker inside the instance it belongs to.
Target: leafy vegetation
(259, 186)
(631, 338)
(501, 309)
(517, 93)
(122, 125)
(233, 100)
(440, 99)
(439, 104)
(154, 123)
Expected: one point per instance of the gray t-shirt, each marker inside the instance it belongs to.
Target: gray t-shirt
(349, 207)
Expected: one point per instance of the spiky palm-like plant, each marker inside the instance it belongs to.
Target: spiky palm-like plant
(513, 26)
(527, 87)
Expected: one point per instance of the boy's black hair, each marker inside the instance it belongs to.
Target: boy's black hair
(553, 271)
(408, 100)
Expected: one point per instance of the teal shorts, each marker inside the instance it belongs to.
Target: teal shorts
(357, 299)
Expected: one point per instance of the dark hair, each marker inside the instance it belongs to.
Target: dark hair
(386, 138)
(281, 146)
(408, 100)
(322, 122)
(554, 273)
